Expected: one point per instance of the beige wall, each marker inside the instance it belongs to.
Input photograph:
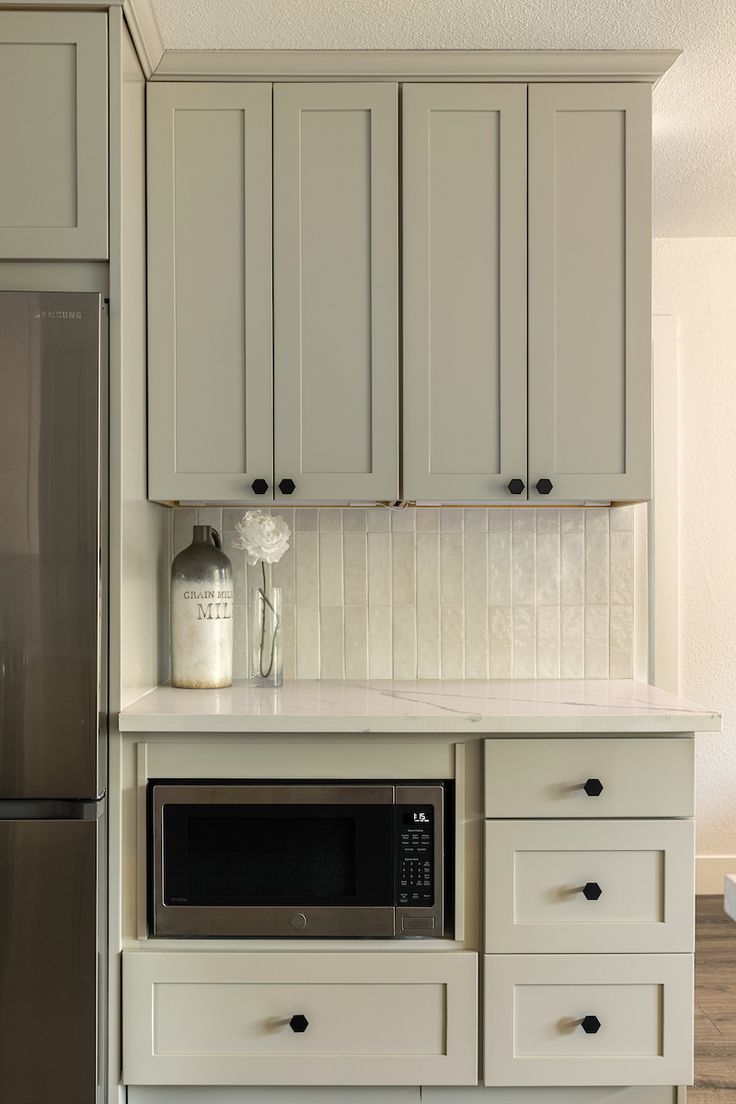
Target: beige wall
(695, 279)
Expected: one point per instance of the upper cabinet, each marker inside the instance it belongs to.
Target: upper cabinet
(589, 291)
(336, 303)
(310, 411)
(209, 292)
(53, 135)
(464, 273)
(525, 313)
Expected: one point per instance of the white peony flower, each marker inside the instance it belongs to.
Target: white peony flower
(262, 536)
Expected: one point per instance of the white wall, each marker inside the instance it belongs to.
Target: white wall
(695, 279)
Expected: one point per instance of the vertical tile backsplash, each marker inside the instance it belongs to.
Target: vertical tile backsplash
(445, 593)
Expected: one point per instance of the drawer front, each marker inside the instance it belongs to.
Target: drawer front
(637, 1009)
(575, 886)
(653, 1094)
(362, 1019)
(624, 777)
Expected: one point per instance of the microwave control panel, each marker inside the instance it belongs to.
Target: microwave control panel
(415, 859)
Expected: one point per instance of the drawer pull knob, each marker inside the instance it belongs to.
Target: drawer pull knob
(516, 486)
(593, 787)
(544, 486)
(287, 486)
(300, 1023)
(591, 891)
(259, 486)
(590, 1025)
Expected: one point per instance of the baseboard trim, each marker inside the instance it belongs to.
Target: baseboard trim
(710, 870)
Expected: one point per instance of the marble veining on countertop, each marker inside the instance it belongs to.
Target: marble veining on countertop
(534, 706)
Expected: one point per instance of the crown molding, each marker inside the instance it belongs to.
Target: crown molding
(641, 66)
(143, 27)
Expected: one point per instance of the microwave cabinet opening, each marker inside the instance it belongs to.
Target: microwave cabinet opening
(296, 859)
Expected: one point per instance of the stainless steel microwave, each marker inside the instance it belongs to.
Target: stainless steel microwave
(297, 859)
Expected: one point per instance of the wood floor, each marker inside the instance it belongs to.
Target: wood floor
(715, 1005)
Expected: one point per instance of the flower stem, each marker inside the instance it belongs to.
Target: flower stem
(276, 626)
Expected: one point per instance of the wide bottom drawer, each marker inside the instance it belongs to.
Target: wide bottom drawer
(299, 1019)
(588, 1019)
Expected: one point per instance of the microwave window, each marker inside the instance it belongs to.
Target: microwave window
(277, 855)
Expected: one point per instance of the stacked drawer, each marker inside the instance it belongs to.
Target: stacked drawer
(589, 899)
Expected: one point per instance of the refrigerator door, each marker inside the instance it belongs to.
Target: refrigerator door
(50, 346)
(48, 961)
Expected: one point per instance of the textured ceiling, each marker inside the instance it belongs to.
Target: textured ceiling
(694, 106)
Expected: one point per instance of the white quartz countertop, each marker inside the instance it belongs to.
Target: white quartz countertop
(538, 706)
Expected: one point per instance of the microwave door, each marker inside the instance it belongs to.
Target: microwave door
(274, 860)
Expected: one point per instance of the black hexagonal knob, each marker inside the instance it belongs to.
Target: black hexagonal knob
(593, 787)
(590, 1024)
(516, 486)
(259, 486)
(544, 486)
(300, 1023)
(591, 891)
(287, 486)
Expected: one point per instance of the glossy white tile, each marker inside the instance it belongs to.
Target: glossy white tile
(355, 568)
(380, 642)
(332, 642)
(404, 642)
(456, 593)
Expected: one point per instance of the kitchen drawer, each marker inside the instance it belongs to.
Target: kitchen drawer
(652, 1094)
(638, 1009)
(577, 886)
(547, 777)
(210, 1018)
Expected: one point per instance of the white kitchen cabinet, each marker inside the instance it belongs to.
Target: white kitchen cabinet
(53, 135)
(588, 1019)
(464, 280)
(590, 777)
(209, 292)
(307, 409)
(589, 292)
(336, 291)
(570, 886)
(228, 1018)
(526, 292)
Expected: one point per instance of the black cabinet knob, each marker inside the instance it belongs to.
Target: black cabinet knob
(299, 1023)
(516, 486)
(259, 486)
(591, 891)
(544, 486)
(590, 1025)
(287, 486)
(593, 787)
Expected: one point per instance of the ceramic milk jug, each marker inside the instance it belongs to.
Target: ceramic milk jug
(202, 613)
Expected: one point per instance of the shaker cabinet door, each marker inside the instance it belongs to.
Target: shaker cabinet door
(53, 135)
(336, 291)
(589, 292)
(464, 305)
(209, 257)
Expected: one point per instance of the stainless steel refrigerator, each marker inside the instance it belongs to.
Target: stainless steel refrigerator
(52, 695)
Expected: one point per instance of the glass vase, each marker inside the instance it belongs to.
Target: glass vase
(266, 652)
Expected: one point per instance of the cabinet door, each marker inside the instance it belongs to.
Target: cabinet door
(209, 291)
(53, 135)
(588, 1019)
(589, 291)
(464, 306)
(575, 886)
(336, 290)
(225, 1018)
